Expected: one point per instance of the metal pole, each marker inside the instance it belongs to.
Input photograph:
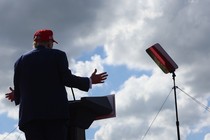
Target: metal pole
(177, 118)
(73, 94)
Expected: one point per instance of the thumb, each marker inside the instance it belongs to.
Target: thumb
(95, 71)
(11, 88)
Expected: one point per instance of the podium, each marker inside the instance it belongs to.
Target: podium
(83, 112)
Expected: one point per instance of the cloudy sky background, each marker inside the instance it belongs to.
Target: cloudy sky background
(112, 36)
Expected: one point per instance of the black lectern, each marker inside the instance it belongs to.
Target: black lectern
(83, 112)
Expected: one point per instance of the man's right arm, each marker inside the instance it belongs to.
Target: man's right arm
(69, 79)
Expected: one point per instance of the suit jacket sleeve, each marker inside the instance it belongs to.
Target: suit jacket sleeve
(16, 80)
(68, 79)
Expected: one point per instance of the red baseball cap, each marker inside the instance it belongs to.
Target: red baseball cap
(44, 35)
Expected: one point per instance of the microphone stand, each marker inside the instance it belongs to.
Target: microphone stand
(73, 93)
(177, 118)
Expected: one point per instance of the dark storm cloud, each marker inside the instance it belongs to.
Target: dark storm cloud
(69, 19)
(20, 19)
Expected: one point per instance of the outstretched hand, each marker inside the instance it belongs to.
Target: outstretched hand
(98, 78)
(10, 95)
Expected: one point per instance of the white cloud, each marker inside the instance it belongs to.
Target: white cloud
(8, 107)
(135, 108)
(138, 102)
(13, 136)
(207, 136)
(181, 28)
(86, 68)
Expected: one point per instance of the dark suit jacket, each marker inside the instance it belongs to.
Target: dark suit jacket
(40, 78)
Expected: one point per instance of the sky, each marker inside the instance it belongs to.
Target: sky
(112, 36)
